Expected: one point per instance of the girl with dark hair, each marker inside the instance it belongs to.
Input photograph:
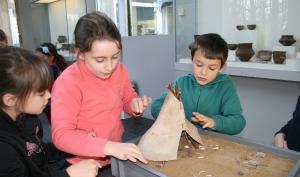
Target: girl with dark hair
(90, 95)
(24, 83)
(56, 61)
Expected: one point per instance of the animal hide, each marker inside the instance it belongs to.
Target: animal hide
(161, 141)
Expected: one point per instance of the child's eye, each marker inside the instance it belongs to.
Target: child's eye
(99, 61)
(212, 69)
(199, 65)
(42, 93)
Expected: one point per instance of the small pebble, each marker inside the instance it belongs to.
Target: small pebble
(186, 147)
(200, 157)
(208, 175)
(240, 173)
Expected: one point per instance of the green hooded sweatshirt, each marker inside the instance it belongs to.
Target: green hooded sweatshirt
(217, 100)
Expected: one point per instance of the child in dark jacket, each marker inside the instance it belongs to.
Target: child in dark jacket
(24, 83)
(209, 97)
(288, 136)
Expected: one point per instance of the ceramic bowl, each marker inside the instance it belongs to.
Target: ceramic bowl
(240, 27)
(251, 27)
(264, 55)
(232, 46)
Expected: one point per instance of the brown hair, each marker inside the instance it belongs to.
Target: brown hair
(3, 38)
(211, 45)
(21, 73)
(95, 26)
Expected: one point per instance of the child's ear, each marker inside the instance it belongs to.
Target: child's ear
(79, 54)
(223, 67)
(9, 99)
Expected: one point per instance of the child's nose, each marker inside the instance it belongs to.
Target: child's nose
(204, 71)
(109, 66)
(48, 95)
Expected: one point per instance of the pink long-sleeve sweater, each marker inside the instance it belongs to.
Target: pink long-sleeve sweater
(83, 105)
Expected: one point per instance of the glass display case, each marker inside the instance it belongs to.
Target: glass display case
(262, 23)
(55, 22)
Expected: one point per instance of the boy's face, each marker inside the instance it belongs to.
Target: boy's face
(205, 70)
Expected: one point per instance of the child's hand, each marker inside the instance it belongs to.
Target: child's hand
(280, 141)
(84, 168)
(124, 151)
(138, 105)
(206, 122)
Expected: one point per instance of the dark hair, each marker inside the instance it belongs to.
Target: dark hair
(21, 73)
(49, 49)
(95, 26)
(211, 45)
(3, 37)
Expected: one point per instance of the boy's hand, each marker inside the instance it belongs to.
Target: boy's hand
(280, 141)
(138, 105)
(124, 151)
(206, 122)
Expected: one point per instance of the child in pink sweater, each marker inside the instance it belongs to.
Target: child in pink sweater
(89, 96)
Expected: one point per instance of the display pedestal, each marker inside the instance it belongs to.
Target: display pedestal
(231, 55)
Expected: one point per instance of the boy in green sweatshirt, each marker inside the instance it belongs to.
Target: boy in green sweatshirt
(209, 97)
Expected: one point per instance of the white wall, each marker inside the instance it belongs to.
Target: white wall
(57, 20)
(63, 16)
(185, 26)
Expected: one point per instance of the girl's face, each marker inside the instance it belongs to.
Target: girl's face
(36, 102)
(102, 59)
(205, 70)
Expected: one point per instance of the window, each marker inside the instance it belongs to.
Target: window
(150, 17)
(8, 21)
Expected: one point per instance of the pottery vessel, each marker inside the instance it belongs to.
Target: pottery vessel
(232, 46)
(287, 40)
(251, 27)
(244, 51)
(279, 57)
(240, 27)
(264, 55)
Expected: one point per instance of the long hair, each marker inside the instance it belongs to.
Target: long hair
(21, 73)
(95, 26)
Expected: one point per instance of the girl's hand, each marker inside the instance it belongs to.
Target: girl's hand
(280, 141)
(206, 122)
(84, 168)
(138, 105)
(124, 151)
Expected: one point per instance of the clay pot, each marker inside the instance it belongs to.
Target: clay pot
(264, 55)
(62, 39)
(232, 46)
(240, 27)
(251, 27)
(279, 57)
(244, 51)
(287, 40)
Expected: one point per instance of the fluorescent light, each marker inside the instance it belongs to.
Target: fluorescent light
(44, 1)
